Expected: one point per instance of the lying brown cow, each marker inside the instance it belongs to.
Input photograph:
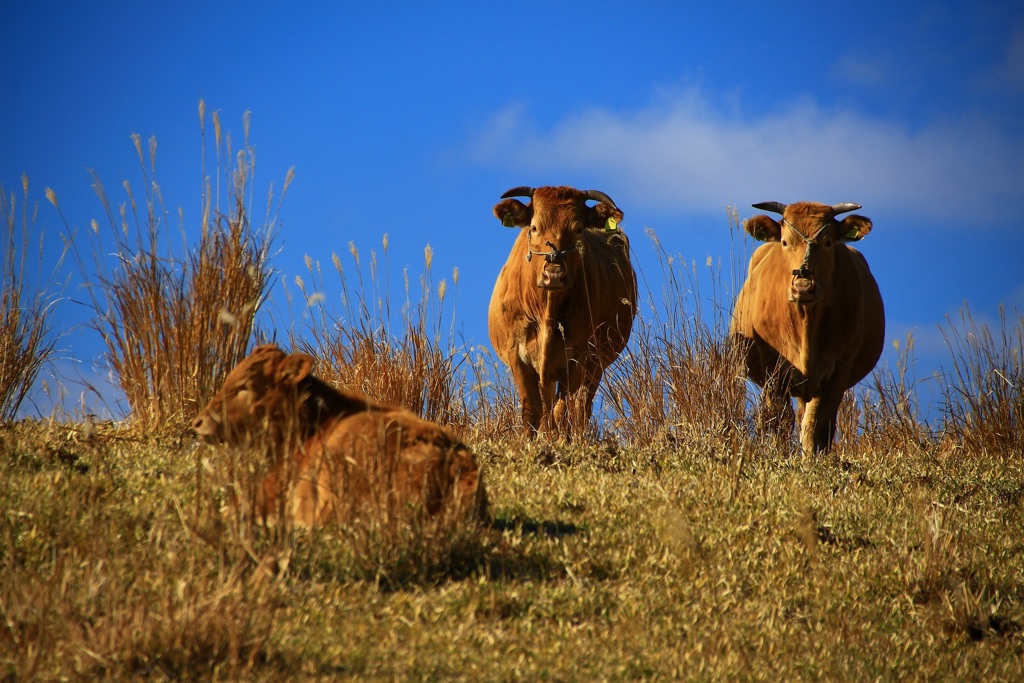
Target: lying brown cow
(335, 455)
(810, 316)
(563, 305)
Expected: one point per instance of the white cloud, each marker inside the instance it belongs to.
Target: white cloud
(686, 154)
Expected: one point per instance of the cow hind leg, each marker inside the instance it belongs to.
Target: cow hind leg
(825, 434)
(774, 417)
(584, 379)
(576, 419)
(561, 410)
(558, 413)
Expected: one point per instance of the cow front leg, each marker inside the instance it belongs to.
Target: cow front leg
(818, 428)
(548, 404)
(809, 424)
(528, 383)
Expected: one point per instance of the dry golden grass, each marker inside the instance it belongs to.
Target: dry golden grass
(602, 562)
(359, 349)
(984, 405)
(695, 553)
(175, 324)
(407, 355)
(672, 544)
(679, 377)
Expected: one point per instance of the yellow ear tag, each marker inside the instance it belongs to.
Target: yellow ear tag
(611, 225)
(853, 234)
(508, 221)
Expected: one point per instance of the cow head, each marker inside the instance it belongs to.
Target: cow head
(555, 220)
(807, 237)
(259, 397)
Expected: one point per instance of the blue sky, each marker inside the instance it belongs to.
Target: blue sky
(412, 118)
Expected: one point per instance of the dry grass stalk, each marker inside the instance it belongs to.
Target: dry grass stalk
(680, 375)
(416, 368)
(984, 394)
(174, 325)
(886, 414)
(27, 340)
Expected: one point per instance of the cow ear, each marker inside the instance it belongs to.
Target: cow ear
(604, 216)
(763, 228)
(854, 228)
(294, 368)
(513, 213)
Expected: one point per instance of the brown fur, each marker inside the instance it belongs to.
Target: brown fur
(558, 340)
(810, 338)
(333, 454)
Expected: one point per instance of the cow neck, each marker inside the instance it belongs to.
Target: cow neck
(552, 305)
(552, 308)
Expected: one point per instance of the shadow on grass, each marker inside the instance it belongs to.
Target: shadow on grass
(551, 529)
(491, 551)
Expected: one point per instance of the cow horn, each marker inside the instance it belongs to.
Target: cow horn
(774, 207)
(844, 207)
(599, 196)
(521, 191)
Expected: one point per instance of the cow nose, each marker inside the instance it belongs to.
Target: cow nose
(201, 425)
(803, 286)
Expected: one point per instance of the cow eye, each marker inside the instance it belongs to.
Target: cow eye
(785, 244)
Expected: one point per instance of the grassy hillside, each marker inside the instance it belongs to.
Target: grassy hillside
(676, 560)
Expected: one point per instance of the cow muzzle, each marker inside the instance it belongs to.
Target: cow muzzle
(554, 276)
(208, 428)
(802, 290)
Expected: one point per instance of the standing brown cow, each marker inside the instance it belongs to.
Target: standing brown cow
(564, 303)
(809, 315)
(337, 454)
